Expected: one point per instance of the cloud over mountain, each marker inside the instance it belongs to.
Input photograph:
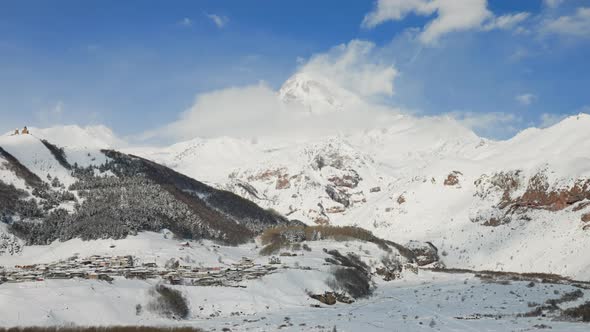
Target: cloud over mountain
(449, 16)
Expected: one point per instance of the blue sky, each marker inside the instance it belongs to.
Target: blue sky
(136, 65)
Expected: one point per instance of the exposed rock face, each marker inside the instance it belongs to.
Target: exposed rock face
(586, 217)
(283, 182)
(349, 180)
(330, 298)
(505, 183)
(426, 253)
(375, 189)
(515, 195)
(338, 195)
(248, 188)
(329, 158)
(330, 173)
(321, 221)
(335, 209)
(268, 174)
(391, 269)
(401, 199)
(453, 178)
(539, 195)
(327, 298)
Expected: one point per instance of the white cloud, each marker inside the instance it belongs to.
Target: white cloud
(549, 119)
(450, 16)
(519, 54)
(577, 24)
(526, 98)
(257, 111)
(476, 120)
(505, 22)
(51, 115)
(186, 22)
(354, 67)
(492, 124)
(219, 20)
(552, 3)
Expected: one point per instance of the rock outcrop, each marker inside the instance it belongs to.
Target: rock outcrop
(426, 253)
(453, 178)
(338, 195)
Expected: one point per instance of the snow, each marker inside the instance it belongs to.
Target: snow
(31, 152)
(425, 302)
(280, 299)
(80, 146)
(408, 156)
(8, 177)
(96, 137)
(412, 156)
(59, 302)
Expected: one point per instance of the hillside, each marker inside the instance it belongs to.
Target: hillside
(517, 205)
(52, 192)
(87, 228)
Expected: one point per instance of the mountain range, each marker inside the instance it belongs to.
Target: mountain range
(519, 205)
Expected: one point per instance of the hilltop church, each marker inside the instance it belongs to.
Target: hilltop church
(25, 131)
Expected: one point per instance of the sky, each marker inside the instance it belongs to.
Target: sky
(143, 67)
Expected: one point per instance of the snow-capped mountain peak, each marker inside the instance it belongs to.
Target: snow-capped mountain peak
(317, 95)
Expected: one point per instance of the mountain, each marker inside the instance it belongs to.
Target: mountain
(517, 205)
(317, 95)
(72, 136)
(52, 193)
(250, 245)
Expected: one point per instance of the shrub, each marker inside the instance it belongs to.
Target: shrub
(272, 248)
(353, 276)
(581, 312)
(279, 236)
(168, 302)
(354, 282)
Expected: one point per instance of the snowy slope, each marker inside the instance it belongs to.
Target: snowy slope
(279, 301)
(391, 180)
(83, 137)
(425, 178)
(31, 152)
(516, 205)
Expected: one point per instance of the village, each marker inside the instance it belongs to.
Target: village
(106, 268)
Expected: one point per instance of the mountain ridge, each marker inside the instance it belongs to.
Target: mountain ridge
(425, 179)
(113, 195)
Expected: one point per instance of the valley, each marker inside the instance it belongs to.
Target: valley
(362, 229)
